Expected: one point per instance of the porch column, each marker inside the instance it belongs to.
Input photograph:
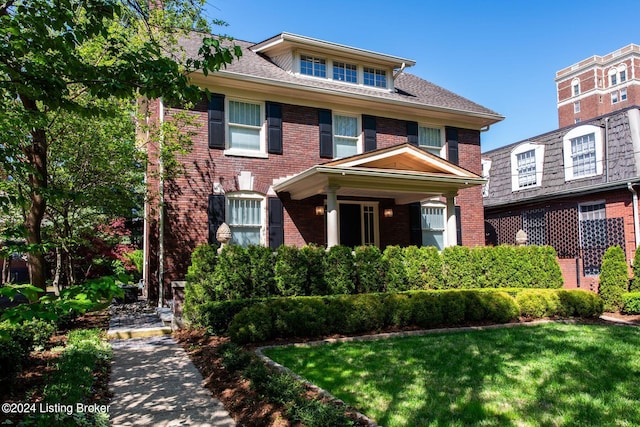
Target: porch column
(452, 235)
(332, 215)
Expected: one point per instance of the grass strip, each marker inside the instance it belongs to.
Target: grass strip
(545, 375)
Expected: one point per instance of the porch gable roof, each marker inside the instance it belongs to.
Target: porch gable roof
(404, 173)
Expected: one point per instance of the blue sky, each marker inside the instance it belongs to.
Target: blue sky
(502, 54)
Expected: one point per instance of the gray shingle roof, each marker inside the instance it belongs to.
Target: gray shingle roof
(410, 89)
(618, 168)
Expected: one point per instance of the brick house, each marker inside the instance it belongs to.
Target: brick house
(574, 188)
(307, 141)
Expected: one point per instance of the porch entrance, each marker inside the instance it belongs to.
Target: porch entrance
(358, 224)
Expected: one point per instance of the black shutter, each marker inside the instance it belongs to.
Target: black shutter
(326, 133)
(369, 128)
(216, 215)
(274, 128)
(276, 223)
(216, 121)
(415, 223)
(458, 225)
(452, 144)
(412, 133)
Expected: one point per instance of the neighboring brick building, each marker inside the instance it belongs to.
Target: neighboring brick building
(598, 85)
(307, 141)
(574, 188)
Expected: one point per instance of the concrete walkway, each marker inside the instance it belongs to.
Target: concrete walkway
(153, 381)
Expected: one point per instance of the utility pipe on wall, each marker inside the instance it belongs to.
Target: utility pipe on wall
(636, 220)
(161, 208)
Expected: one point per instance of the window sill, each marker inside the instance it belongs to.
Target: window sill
(245, 153)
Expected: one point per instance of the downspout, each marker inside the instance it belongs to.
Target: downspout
(636, 220)
(606, 149)
(161, 207)
(397, 73)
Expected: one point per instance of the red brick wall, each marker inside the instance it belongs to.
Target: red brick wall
(186, 197)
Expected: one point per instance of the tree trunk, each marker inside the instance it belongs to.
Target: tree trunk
(37, 158)
(58, 271)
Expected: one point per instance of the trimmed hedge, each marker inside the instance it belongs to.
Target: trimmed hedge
(257, 272)
(309, 317)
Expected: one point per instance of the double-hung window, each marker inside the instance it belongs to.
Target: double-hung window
(583, 149)
(623, 94)
(245, 126)
(345, 72)
(526, 168)
(430, 139)
(614, 97)
(583, 154)
(244, 216)
(313, 66)
(433, 226)
(345, 136)
(374, 77)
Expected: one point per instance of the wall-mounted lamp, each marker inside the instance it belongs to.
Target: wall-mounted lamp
(388, 213)
(319, 210)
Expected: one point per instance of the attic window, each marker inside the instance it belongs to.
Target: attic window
(375, 77)
(313, 66)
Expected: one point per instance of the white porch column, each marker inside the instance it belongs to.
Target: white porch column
(332, 216)
(452, 235)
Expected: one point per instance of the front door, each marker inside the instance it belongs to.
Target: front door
(350, 224)
(358, 224)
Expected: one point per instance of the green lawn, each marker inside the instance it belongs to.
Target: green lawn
(544, 375)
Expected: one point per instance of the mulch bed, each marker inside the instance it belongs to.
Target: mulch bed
(28, 386)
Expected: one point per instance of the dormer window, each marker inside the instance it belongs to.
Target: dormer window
(375, 77)
(583, 152)
(345, 72)
(526, 166)
(313, 66)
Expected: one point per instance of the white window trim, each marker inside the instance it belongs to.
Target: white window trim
(539, 155)
(329, 61)
(263, 210)
(576, 107)
(615, 97)
(575, 82)
(486, 173)
(566, 148)
(262, 152)
(442, 152)
(359, 131)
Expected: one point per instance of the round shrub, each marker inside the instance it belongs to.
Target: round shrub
(298, 317)
(631, 302)
(252, 324)
(398, 309)
(537, 303)
(614, 278)
(427, 309)
(498, 307)
(453, 305)
(364, 313)
(339, 270)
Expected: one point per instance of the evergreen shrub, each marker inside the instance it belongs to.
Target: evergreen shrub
(614, 278)
(631, 303)
(291, 274)
(370, 269)
(634, 285)
(339, 270)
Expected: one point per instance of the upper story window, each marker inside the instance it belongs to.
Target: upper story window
(245, 216)
(313, 66)
(345, 72)
(576, 107)
(527, 160)
(614, 97)
(623, 94)
(245, 123)
(431, 139)
(375, 77)
(346, 136)
(575, 86)
(583, 152)
(617, 74)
